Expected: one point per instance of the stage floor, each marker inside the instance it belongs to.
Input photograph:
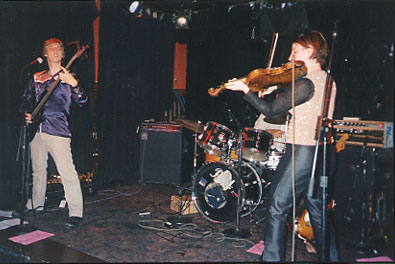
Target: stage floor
(114, 230)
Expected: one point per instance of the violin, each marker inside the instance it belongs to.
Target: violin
(260, 79)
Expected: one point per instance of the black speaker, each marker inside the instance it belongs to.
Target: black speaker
(165, 155)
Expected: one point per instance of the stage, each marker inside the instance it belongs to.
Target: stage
(129, 224)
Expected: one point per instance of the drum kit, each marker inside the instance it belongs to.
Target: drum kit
(217, 183)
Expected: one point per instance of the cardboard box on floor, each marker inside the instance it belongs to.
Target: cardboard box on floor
(190, 209)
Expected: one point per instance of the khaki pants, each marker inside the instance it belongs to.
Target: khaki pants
(60, 150)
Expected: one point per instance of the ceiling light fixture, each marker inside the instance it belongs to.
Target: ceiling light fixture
(134, 7)
(182, 19)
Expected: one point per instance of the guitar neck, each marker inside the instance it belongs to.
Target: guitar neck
(45, 98)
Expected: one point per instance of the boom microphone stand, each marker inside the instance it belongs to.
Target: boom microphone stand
(23, 151)
(322, 137)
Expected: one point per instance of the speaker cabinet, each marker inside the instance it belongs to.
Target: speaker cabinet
(165, 155)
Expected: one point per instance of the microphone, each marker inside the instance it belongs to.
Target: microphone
(39, 60)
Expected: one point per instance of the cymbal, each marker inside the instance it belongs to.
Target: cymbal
(277, 120)
(192, 125)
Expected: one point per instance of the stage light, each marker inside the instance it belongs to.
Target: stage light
(182, 22)
(134, 7)
(182, 19)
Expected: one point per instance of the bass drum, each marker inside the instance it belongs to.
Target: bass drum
(215, 187)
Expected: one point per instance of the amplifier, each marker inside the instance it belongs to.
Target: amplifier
(165, 155)
(356, 132)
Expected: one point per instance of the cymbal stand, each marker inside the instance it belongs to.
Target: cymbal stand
(237, 232)
(195, 155)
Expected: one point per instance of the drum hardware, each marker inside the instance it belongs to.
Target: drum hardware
(237, 231)
(179, 219)
(195, 154)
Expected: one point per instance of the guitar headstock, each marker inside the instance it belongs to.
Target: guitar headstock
(80, 50)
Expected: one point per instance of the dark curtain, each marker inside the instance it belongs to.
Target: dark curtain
(226, 43)
(135, 82)
(219, 48)
(24, 26)
(229, 43)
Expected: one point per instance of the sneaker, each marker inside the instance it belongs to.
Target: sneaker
(73, 222)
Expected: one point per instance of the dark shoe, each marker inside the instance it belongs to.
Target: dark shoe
(73, 222)
(17, 214)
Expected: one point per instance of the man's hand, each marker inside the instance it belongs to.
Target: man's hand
(28, 118)
(67, 77)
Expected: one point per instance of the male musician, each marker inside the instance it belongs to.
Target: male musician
(53, 134)
(312, 49)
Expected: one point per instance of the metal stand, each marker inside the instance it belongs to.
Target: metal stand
(362, 164)
(364, 246)
(195, 155)
(323, 130)
(179, 219)
(23, 144)
(237, 232)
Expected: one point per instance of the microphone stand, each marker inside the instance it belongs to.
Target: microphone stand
(23, 151)
(323, 130)
(237, 232)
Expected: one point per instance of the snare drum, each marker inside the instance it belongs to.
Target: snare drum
(216, 139)
(256, 144)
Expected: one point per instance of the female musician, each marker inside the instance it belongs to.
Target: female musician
(312, 49)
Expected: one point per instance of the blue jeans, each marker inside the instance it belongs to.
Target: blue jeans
(280, 200)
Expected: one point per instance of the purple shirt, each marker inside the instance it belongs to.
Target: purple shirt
(57, 108)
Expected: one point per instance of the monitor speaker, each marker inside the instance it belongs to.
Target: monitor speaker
(165, 156)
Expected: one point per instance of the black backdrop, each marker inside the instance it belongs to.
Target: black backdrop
(136, 66)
